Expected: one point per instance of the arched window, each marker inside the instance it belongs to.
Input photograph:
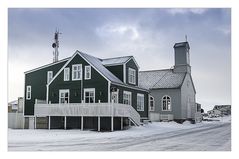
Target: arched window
(151, 103)
(166, 103)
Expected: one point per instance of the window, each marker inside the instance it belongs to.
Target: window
(89, 94)
(166, 102)
(87, 72)
(76, 72)
(66, 74)
(49, 76)
(64, 96)
(140, 102)
(151, 103)
(127, 97)
(29, 92)
(132, 76)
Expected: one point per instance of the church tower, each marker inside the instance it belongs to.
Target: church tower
(181, 57)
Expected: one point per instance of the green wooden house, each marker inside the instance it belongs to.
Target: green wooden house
(85, 92)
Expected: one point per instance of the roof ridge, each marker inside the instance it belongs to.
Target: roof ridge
(169, 69)
(116, 57)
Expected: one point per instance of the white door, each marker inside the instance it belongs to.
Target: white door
(64, 96)
(115, 96)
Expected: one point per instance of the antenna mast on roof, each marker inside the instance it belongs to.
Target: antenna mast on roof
(186, 38)
(55, 45)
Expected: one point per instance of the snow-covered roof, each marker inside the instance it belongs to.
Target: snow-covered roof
(13, 102)
(160, 79)
(116, 60)
(96, 62)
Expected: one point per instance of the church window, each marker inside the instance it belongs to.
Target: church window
(166, 103)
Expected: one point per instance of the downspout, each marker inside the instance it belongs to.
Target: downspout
(109, 83)
(47, 92)
(82, 83)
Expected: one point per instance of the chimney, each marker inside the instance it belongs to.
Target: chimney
(182, 57)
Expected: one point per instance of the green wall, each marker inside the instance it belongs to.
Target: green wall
(38, 80)
(134, 98)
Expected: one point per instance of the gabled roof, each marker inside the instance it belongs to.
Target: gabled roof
(157, 79)
(97, 65)
(96, 62)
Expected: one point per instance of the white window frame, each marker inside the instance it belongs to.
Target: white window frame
(86, 78)
(151, 100)
(29, 90)
(66, 74)
(132, 76)
(140, 102)
(73, 71)
(64, 91)
(170, 100)
(89, 90)
(49, 76)
(128, 97)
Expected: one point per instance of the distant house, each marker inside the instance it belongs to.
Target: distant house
(13, 106)
(225, 109)
(220, 110)
(171, 91)
(16, 105)
(15, 114)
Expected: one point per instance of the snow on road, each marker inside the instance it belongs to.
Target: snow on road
(158, 136)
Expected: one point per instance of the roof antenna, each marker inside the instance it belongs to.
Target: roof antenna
(186, 38)
(55, 45)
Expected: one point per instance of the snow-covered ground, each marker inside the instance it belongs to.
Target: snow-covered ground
(158, 136)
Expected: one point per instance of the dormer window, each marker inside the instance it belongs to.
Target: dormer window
(132, 76)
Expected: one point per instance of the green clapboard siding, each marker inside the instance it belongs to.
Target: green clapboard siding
(134, 98)
(38, 80)
(117, 71)
(97, 81)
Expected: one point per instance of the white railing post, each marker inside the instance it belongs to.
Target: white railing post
(121, 123)
(98, 123)
(49, 122)
(82, 122)
(112, 117)
(35, 123)
(65, 123)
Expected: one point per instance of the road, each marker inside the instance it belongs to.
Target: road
(202, 137)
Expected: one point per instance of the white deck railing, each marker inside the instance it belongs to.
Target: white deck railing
(88, 109)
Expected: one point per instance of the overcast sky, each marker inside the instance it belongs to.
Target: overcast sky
(147, 34)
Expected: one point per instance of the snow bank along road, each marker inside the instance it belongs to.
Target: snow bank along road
(160, 136)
